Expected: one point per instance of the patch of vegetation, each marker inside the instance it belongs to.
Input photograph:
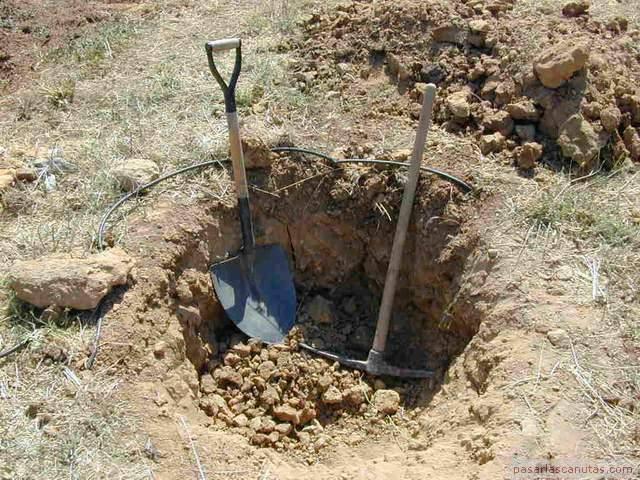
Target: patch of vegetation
(92, 49)
(584, 215)
(60, 95)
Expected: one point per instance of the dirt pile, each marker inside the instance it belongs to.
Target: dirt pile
(571, 90)
(279, 397)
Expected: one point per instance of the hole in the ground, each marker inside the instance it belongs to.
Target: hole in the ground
(338, 229)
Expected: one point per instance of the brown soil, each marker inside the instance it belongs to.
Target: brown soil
(29, 29)
(485, 49)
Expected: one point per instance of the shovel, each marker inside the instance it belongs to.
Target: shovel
(255, 287)
(376, 363)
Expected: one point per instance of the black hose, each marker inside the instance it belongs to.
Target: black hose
(334, 161)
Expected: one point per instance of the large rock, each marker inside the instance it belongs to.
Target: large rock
(557, 64)
(69, 282)
(579, 141)
(136, 172)
(499, 121)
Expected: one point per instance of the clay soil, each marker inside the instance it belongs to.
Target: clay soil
(534, 355)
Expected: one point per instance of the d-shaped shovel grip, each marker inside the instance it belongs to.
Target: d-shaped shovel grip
(237, 157)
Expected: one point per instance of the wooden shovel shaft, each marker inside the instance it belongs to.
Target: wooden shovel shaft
(395, 262)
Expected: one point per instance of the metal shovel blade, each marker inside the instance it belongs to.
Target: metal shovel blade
(257, 292)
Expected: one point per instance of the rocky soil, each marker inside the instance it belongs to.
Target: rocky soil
(559, 90)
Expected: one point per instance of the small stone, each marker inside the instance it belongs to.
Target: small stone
(267, 425)
(458, 105)
(273, 437)
(231, 359)
(243, 350)
(401, 155)
(286, 413)
(214, 404)
(575, 8)
(284, 429)
(558, 63)
(259, 439)
(528, 155)
(325, 381)
(307, 414)
(160, 349)
(7, 178)
(256, 423)
(523, 110)
(610, 118)
(357, 395)
(386, 401)
(227, 375)
(135, 172)
(479, 26)
(207, 384)
(270, 396)
(447, 33)
(240, 420)
(492, 143)
(304, 438)
(499, 121)
(321, 310)
(266, 369)
(332, 396)
(558, 337)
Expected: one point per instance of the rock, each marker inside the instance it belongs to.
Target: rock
(575, 8)
(578, 141)
(557, 64)
(632, 142)
(393, 64)
(499, 121)
(259, 439)
(332, 396)
(273, 437)
(304, 438)
(227, 376)
(266, 369)
(528, 154)
(321, 310)
(386, 401)
(610, 118)
(447, 33)
(492, 143)
(267, 425)
(243, 350)
(136, 172)
(69, 282)
(479, 26)
(207, 384)
(240, 420)
(286, 413)
(526, 133)
(26, 174)
(231, 359)
(558, 337)
(325, 381)
(458, 105)
(270, 396)
(256, 423)
(357, 395)
(214, 404)
(284, 429)
(257, 153)
(523, 110)
(307, 414)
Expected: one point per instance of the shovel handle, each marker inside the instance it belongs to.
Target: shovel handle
(395, 261)
(237, 157)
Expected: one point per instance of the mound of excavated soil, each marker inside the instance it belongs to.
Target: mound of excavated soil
(548, 87)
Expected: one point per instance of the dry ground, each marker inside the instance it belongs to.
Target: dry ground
(137, 86)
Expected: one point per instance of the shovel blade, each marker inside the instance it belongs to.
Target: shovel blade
(257, 292)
